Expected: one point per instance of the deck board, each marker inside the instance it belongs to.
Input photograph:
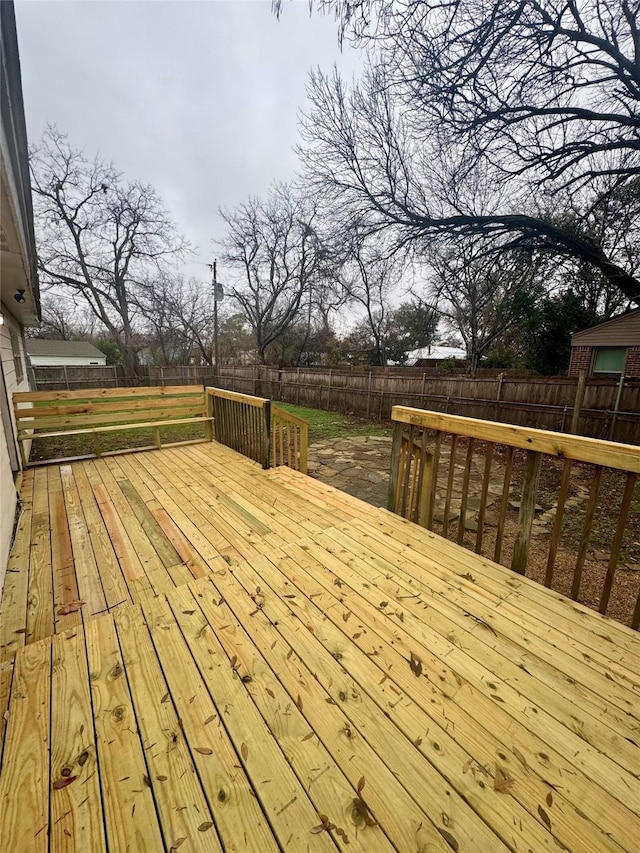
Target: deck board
(251, 660)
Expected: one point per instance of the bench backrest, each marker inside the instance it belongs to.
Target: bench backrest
(77, 410)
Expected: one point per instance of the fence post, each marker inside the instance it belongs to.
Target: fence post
(498, 396)
(577, 405)
(616, 408)
(424, 379)
(66, 378)
(329, 393)
(115, 375)
(369, 395)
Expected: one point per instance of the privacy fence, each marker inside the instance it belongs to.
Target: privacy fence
(601, 408)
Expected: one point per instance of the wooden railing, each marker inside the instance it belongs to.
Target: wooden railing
(289, 440)
(421, 441)
(242, 422)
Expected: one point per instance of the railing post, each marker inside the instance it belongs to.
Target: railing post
(304, 443)
(266, 437)
(396, 455)
(208, 402)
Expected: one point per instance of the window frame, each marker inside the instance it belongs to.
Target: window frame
(596, 353)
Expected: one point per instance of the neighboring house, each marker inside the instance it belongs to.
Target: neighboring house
(611, 348)
(434, 355)
(20, 302)
(44, 353)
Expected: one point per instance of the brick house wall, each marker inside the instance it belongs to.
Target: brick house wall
(580, 360)
(632, 366)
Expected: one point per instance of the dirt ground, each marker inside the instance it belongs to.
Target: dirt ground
(360, 466)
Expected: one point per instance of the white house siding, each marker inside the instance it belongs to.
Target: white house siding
(6, 354)
(8, 497)
(66, 361)
(8, 503)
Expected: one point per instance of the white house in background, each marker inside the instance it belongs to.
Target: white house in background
(19, 297)
(45, 353)
(434, 355)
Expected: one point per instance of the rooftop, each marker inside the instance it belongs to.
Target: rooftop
(76, 349)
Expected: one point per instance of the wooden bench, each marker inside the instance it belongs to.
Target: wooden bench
(52, 414)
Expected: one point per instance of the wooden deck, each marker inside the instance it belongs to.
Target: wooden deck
(197, 654)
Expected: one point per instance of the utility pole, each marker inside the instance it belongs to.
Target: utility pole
(216, 296)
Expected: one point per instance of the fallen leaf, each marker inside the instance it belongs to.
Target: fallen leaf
(161, 778)
(502, 782)
(416, 665)
(70, 607)
(62, 783)
(383, 604)
(204, 750)
(299, 702)
(209, 719)
(549, 799)
(244, 751)
(361, 784)
(177, 843)
(83, 758)
(545, 817)
(205, 826)
(451, 841)
(306, 737)
(146, 780)
(270, 693)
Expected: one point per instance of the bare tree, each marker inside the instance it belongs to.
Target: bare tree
(178, 314)
(484, 297)
(274, 250)
(98, 236)
(369, 276)
(64, 321)
(523, 98)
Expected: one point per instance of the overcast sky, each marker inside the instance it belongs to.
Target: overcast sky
(199, 99)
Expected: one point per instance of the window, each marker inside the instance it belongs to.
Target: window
(17, 358)
(609, 360)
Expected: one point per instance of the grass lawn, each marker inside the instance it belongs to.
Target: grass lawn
(324, 425)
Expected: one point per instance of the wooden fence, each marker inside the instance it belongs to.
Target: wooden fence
(608, 408)
(418, 450)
